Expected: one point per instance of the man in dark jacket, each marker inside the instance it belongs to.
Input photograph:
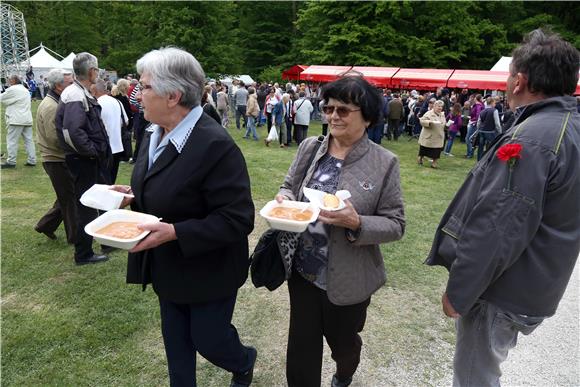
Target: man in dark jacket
(511, 236)
(86, 146)
(396, 111)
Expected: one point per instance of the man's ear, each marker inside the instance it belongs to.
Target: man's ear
(521, 83)
(174, 98)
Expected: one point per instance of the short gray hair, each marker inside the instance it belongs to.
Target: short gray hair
(15, 78)
(439, 103)
(83, 63)
(101, 86)
(56, 77)
(174, 70)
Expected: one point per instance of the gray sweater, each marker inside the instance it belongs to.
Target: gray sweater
(515, 245)
(371, 174)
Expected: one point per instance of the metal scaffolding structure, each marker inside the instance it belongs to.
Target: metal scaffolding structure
(14, 55)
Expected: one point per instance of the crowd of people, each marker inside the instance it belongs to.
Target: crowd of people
(510, 238)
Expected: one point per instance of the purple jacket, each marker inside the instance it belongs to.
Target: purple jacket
(457, 122)
(475, 110)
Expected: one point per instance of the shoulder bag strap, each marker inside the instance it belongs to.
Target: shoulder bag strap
(310, 160)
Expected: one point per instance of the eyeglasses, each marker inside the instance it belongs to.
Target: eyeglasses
(143, 87)
(342, 111)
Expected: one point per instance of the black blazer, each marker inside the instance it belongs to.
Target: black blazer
(204, 191)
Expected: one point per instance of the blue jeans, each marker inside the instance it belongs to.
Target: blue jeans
(251, 127)
(471, 128)
(450, 142)
(485, 140)
(485, 335)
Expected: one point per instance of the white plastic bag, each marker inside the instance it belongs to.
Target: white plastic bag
(273, 134)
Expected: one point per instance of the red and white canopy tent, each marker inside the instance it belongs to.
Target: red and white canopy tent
(317, 73)
(378, 76)
(294, 72)
(421, 79)
(478, 79)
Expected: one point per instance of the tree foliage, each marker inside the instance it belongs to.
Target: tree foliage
(232, 37)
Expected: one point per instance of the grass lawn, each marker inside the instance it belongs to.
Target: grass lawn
(65, 325)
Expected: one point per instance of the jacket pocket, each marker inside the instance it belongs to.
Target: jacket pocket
(510, 213)
(450, 236)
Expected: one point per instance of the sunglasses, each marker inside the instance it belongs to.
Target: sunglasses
(342, 111)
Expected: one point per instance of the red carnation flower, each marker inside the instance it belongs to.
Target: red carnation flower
(509, 152)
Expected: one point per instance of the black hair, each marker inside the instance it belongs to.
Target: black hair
(550, 63)
(357, 91)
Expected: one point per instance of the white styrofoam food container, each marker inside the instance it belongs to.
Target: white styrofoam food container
(119, 216)
(316, 197)
(286, 224)
(102, 197)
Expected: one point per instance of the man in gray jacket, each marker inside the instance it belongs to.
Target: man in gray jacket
(85, 143)
(511, 236)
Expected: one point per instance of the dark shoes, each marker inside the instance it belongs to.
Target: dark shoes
(336, 382)
(30, 165)
(94, 259)
(49, 234)
(132, 160)
(245, 379)
(108, 249)
(6, 165)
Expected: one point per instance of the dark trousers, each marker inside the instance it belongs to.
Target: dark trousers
(115, 166)
(289, 125)
(375, 133)
(300, 132)
(85, 172)
(241, 112)
(312, 317)
(64, 208)
(268, 120)
(325, 130)
(485, 140)
(393, 129)
(139, 125)
(205, 328)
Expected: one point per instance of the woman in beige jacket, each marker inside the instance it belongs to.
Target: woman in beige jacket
(432, 134)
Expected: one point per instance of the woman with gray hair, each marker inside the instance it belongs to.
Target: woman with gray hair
(432, 134)
(191, 174)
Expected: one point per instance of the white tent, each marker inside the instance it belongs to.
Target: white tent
(503, 64)
(244, 78)
(67, 63)
(42, 62)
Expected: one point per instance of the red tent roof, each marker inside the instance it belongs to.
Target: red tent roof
(577, 92)
(378, 76)
(294, 72)
(420, 78)
(478, 79)
(323, 73)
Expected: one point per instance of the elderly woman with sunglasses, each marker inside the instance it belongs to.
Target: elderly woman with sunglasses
(338, 264)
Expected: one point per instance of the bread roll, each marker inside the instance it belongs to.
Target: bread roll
(330, 201)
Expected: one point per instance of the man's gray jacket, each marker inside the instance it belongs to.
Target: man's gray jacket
(513, 238)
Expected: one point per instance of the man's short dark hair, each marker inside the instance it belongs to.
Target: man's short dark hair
(550, 63)
(357, 91)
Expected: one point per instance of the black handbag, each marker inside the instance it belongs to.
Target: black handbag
(266, 262)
